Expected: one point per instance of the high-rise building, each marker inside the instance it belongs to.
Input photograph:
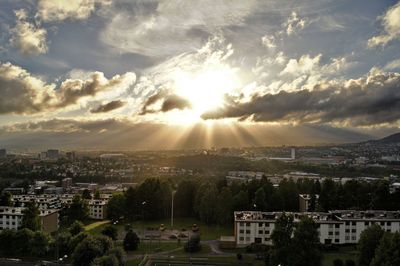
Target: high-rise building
(3, 153)
(66, 182)
(293, 154)
(52, 154)
(71, 155)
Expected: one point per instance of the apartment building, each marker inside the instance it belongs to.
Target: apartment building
(334, 227)
(97, 209)
(11, 218)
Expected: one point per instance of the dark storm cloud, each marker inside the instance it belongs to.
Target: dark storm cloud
(104, 108)
(371, 100)
(168, 101)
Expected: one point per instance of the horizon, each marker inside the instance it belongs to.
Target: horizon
(140, 75)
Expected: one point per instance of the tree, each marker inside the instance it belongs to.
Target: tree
(86, 194)
(116, 207)
(224, 207)
(89, 249)
(62, 243)
(305, 244)
(241, 201)
(78, 210)
(387, 253)
(76, 228)
(120, 254)
(31, 218)
(6, 199)
(40, 243)
(350, 262)
(106, 260)
(369, 240)
(328, 195)
(110, 231)
(260, 200)
(22, 241)
(338, 262)
(96, 194)
(193, 244)
(281, 238)
(131, 241)
(206, 207)
(74, 241)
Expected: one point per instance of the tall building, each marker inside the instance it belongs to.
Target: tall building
(334, 227)
(66, 183)
(71, 155)
(52, 154)
(293, 154)
(3, 153)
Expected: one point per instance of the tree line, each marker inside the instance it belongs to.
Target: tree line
(213, 201)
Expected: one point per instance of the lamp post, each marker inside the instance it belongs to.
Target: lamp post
(172, 208)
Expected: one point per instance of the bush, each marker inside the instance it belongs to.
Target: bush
(105, 260)
(89, 249)
(131, 241)
(350, 263)
(110, 231)
(193, 245)
(76, 228)
(338, 262)
(120, 254)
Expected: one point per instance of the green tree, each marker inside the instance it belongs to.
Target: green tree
(6, 199)
(387, 253)
(338, 262)
(224, 207)
(31, 218)
(22, 241)
(75, 240)
(96, 194)
(369, 241)
(116, 207)
(40, 243)
(110, 231)
(259, 200)
(105, 260)
(78, 210)
(327, 196)
(86, 194)
(206, 207)
(281, 238)
(305, 244)
(76, 228)
(131, 241)
(119, 253)
(7, 237)
(89, 249)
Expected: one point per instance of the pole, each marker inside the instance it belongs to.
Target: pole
(172, 209)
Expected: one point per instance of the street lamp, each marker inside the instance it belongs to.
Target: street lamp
(172, 208)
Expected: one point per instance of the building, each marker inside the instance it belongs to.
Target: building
(243, 176)
(54, 190)
(52, 154)
(11, 218)
(66, 183)
(14, 190)
(97, 209)
(305, 201)
(44, 202)
(334, 227)
(3, 153)
(70, 155)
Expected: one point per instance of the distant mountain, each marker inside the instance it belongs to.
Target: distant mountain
(394, 138)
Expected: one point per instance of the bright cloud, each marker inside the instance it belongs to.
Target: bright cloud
(390, 22)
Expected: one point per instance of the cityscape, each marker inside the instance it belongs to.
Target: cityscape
(200, 132)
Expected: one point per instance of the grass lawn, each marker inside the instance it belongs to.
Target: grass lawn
(98, 225)
(134, 262)
(155, 246)
(344, 253)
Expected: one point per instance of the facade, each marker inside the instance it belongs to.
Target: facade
(3, 153)
(97, 209)
(305, 201)
(11, 218)
(66, 183)
(334, 227)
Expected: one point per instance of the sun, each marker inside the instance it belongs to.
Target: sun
(206, 90)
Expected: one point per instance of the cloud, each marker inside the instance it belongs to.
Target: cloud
(390, 22)
(51, 10)
(165, 28)
(168, 102)
(23, 93)
(269, 41)
(28, 38)
(104, 108)
(294, 23)
(370, 100)
(395, 64)
(304, 65)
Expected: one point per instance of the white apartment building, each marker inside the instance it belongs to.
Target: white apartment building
(334, 227)
(97, 209)
(44, 202)
(11, 218)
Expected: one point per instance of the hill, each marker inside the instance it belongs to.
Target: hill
(394, 138)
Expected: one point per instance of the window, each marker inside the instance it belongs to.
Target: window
(366, 223)
(247, 238)
(336, 240)
(260, 232)
(260, 224)
(347, 238)
(389, 223)
(241, 238)
(337, 225)
(241, 223)
(336, 233)
(353, 238)
(247, 231)
(266, 224)
(347, 223)
(353, 230)
(267, 232)
(330, 226)
(353, 223)
(241, 231)
(330, 233)
(347, 230)
(247, 224)
(382, 223)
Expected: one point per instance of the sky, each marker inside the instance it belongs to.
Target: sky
(163, 74)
